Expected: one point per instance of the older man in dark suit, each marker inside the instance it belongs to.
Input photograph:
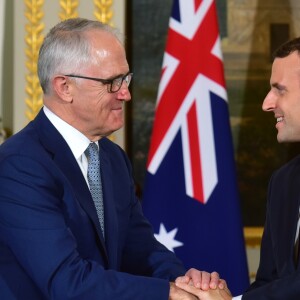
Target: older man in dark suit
(70, 224)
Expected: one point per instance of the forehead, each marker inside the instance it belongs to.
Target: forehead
(107, 51)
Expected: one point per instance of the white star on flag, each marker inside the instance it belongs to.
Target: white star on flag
(168, 238)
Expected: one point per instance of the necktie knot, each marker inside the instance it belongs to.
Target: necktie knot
(92, 152)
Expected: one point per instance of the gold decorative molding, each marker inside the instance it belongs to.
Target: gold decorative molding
(33, 39)
(253, 236)
(69, 9)
(103, 11)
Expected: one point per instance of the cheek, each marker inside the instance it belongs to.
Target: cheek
(97, 102)
(100, 94)
(292, 105)
(103, 111)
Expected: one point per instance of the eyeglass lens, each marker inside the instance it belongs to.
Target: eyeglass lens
(117, 83)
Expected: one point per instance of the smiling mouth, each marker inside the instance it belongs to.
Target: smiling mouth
(280, 119)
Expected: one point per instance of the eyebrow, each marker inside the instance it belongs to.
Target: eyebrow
(278, 86)
(117, 76)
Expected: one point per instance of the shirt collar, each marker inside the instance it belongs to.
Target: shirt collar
(77, 141)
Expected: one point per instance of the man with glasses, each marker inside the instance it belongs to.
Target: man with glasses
(70, 224)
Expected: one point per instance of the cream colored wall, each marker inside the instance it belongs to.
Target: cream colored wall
(51, 9)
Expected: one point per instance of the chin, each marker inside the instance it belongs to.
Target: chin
(281, 139)
(112, 130)
(119, 125)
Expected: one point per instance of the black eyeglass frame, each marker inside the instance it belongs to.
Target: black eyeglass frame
(127, 77)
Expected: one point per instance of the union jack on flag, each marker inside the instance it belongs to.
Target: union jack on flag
(190, 193)
(192, 69)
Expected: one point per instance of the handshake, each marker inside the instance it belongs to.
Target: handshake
(199, 285)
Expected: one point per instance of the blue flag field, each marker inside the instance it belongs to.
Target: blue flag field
(190, 194)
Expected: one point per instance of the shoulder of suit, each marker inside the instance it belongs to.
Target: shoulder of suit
(20, 141)
(106, 143)
(291, 166)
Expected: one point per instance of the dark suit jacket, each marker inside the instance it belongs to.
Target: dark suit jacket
(278, 276)
(51, 245)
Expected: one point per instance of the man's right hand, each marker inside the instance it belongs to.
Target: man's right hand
(179, 294)
(211, 294)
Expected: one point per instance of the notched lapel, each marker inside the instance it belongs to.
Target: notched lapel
(63, 157)
(286, 217)
(110, 216)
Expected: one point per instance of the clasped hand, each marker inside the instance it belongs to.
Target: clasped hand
(199, 285)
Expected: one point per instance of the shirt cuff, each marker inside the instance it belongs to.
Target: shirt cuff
(237, 297)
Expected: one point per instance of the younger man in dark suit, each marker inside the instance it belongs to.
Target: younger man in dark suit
(278, 275)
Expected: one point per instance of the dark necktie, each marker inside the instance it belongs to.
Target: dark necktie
(94, 179)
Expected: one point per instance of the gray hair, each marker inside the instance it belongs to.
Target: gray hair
(66, 48)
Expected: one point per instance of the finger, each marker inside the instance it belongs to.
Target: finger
(205, 281)
(190, 271)
(189, 288)
(227, 291)
(183, 279)
(222, 284)
(195, 277)
(214, 280)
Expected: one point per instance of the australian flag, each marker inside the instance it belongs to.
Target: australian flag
(190, 194)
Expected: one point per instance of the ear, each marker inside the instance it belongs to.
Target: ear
(63, 88)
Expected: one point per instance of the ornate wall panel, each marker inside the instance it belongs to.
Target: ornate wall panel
(34, 38)
(103, 11)
(31, 20)
(68, 9)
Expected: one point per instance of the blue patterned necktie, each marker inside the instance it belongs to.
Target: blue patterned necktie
(94, 179)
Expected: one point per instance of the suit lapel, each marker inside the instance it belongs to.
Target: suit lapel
(54, 143)
(287, 218)
(110, 216)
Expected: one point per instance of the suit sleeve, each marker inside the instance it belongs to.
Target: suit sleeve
(143, 254)
(150, 257)
(269, 284)
(33, 228)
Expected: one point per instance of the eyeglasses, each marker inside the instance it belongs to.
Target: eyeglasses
(113, 85)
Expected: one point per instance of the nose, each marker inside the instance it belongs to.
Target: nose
(269, 103)
(124, 93)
